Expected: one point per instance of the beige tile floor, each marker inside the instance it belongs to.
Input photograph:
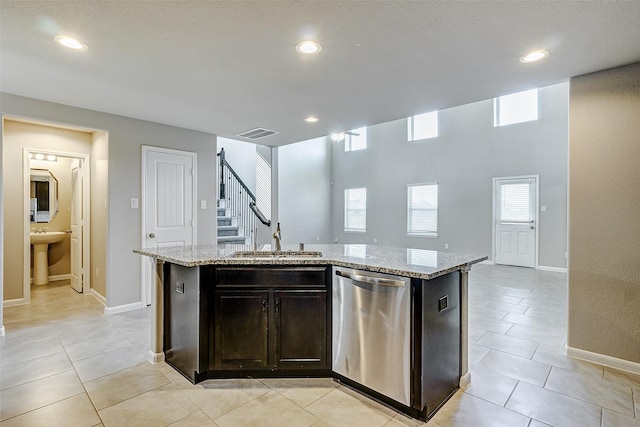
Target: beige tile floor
(63, 363)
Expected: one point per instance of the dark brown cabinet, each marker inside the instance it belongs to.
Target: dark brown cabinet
(241, 334)
(271, 319)
(300, 329)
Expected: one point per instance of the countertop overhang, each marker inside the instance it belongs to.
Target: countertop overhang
(407, 262)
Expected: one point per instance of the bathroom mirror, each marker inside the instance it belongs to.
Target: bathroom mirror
(43, 195)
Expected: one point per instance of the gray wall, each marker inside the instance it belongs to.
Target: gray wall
(242, 158)
(125, 138)
(304, 176)
(464, 159)
(604, 206)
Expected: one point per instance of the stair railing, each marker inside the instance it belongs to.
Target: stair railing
(239, 199)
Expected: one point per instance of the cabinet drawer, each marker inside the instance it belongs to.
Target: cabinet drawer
(270, 277)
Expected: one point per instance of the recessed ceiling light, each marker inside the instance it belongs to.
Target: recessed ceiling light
(52, 158)
(308, 47)
(311, 119)
(534, 56)
(71, 43)
(39, 156)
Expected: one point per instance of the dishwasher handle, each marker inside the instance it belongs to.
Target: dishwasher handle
(371, 280)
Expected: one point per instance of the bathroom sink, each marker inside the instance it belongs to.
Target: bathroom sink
(276, 254)
(41, 242)
(47, 237)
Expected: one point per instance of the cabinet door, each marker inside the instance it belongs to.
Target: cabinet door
(301, 329)
(241, 329)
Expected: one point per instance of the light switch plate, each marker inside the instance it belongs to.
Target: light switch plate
(203, 204)
(134, 203)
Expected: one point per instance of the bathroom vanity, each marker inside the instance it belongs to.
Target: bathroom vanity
(389, 322)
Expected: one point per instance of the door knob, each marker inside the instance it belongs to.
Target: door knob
(152, 235)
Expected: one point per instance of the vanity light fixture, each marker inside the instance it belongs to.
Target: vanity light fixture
(534, 56)
(308, 47)
(41, 156)
(70, 42)
(311, 119)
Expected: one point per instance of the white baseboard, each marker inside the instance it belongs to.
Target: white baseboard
(465, 380)
(122, 308)
(555, 269)
(102, 300)
(2, 331)
(603, 359)
(13, 302)
(155, 357)
(487, 261)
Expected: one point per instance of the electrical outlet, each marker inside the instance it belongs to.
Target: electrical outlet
(543, 208)
(375, 240)
(318, 238)
(203, 204)
(97, 272)
(443, 303)
(180, 287)
(446, 246)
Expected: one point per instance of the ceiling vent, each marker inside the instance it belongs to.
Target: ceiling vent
(257, 133)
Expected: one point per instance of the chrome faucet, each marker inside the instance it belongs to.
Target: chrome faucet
(278, 236)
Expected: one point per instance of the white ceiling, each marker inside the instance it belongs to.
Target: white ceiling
(226, 67)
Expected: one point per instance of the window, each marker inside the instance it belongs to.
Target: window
(355, 209)
(422, 126)
(516, 108)
(514, 202)
(422, 207)
(355, 139)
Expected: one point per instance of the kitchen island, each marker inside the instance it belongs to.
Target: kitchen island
(390, 322)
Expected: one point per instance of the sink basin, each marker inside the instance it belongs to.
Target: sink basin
(277, 254)
(41, 242)
(46, 237)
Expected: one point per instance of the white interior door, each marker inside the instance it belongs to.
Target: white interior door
(515, 221)
(168, 203)
(77, 225)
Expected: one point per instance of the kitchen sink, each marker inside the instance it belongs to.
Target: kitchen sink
(276, 254)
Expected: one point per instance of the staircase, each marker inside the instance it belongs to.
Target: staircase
(228, 230)
(237, 210)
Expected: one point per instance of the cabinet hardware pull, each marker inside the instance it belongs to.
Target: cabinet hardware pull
(264, 305)
(277, 305)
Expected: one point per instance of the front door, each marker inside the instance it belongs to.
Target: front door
(77, 224)
(168, 217)
(515, 207)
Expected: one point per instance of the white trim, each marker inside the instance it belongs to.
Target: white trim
(123, 308)
(14, 302)
(146, 274)
(487, 261)
(2, 331)
(102, 300)
(556, 269)
(465, 380)
(155, 358)
(603, 359)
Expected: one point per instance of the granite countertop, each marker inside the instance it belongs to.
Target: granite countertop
(407, 262)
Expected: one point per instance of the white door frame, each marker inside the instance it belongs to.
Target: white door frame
(536, 215)
(86, 194)
(146, 271)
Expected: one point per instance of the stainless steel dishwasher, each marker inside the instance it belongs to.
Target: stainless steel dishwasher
(372, 330)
